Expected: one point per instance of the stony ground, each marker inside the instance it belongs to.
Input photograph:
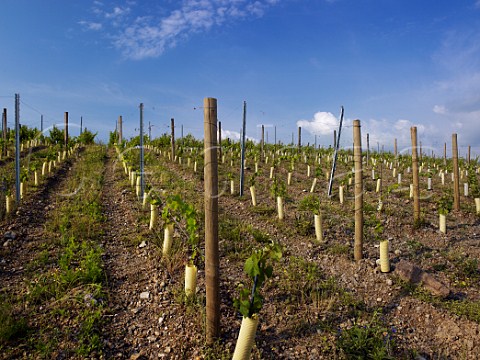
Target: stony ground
(147, 316)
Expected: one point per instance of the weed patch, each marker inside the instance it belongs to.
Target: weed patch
(368, 341)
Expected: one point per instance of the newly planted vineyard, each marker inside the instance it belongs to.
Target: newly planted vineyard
(93, 267)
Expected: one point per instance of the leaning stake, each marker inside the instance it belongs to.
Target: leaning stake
(357, 157)
(212, 277)
(335, 153)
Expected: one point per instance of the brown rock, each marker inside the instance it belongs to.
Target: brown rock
(412, 273)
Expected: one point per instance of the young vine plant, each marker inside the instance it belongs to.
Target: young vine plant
(175, 210)
(258, 267)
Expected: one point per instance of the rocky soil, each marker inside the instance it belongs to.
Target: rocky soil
(147, 316)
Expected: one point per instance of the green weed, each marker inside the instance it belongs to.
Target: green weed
(304, 224)
(305, 284)
(216, 352)
(464, 307)
(258, 235)
(12, 326)
(233, 239)
(91, 264)
(89, 334)
(311, 203)
(338, 249)
(370, 341)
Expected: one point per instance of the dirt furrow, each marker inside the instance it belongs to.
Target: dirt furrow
(23, 231)
(144, 320)
(24, 239)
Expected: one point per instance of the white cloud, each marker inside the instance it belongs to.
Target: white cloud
(87, 25)
(150, 35)
(117, 12)
(400, 125)
(228, 134)
(234, 135)
(440, 109)
(257, 8)
(323, 123)
(384, 132)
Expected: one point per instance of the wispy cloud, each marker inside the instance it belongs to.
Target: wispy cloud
(384, 132)
(117, 12)
(89, 25)
(440, 109)
(457, 92)
(150, 34)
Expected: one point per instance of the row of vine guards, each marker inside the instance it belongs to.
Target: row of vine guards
(212, 142)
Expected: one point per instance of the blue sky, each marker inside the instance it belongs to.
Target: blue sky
(390, 63)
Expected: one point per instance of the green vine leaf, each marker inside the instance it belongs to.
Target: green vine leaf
(258, 267)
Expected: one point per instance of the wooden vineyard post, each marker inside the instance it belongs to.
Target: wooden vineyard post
(395, 149)
(456, 175)
(445, 154)
(65, 131)
(357, 157)
(120, 130)
(212, 263)
(416, 188)
(468, 154)
(172, 126)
